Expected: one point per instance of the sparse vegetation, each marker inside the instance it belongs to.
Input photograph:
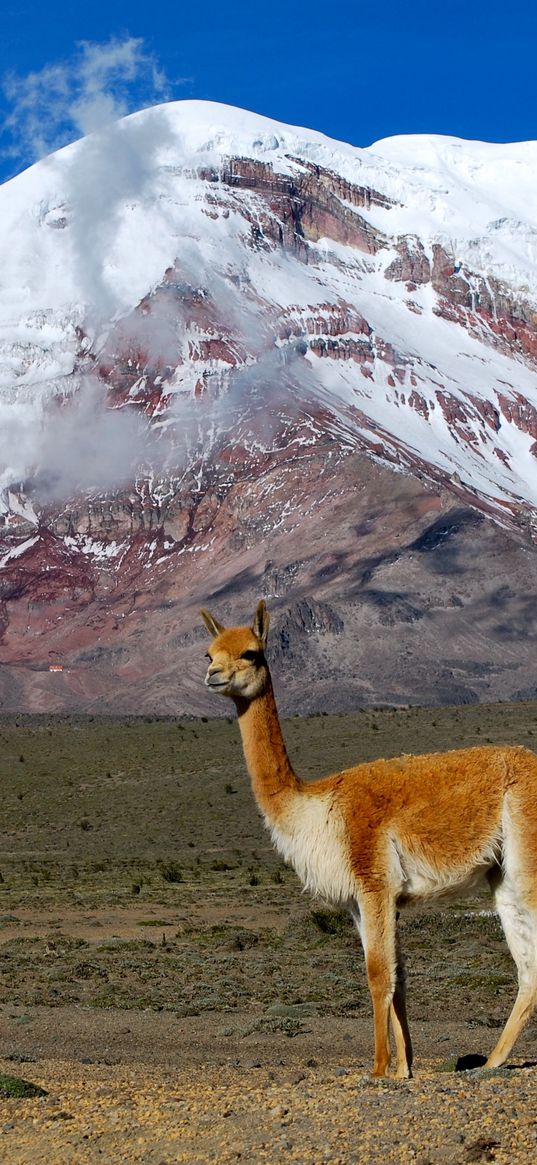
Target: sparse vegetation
(171, 872)
(193, 868)
(18, 1088)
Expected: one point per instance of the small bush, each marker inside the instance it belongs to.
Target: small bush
(171, 872)
(15, 1086)
(330, 921)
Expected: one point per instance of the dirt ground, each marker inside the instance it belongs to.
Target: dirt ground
(166, 982)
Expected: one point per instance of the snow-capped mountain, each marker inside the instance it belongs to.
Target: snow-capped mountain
(219, 338)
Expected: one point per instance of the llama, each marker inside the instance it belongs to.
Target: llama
(389, 832)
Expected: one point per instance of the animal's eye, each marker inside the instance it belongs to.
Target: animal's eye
(251, 656)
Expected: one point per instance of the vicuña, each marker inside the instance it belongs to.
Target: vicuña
(390, 832)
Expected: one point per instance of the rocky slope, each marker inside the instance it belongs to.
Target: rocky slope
(241, 359)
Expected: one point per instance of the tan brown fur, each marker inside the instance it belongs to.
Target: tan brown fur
(383, 833)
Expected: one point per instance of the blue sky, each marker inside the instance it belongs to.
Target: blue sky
(358, 72)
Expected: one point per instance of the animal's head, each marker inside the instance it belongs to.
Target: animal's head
(237, 665)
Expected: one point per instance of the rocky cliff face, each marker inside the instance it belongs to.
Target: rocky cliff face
(323, 405)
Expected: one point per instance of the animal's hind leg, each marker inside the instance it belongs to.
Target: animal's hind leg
(519, 922)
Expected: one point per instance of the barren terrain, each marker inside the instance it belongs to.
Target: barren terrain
(165, 981)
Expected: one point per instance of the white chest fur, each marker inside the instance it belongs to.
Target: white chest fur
(312, 838)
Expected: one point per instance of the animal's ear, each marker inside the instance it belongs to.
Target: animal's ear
(261, 622)
(213, 626)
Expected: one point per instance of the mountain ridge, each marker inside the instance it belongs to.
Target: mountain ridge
(207, 319)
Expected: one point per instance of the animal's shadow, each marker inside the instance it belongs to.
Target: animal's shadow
(466, 1063)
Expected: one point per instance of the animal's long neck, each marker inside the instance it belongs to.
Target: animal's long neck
(272, 775)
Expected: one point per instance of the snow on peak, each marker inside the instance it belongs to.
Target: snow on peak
(92, 232)
(92, 225)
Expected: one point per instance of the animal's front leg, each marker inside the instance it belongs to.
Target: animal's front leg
(377, 928)
(398, 1016)
(401, 1034)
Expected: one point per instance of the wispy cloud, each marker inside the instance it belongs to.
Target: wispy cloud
(65, 100)
(72, 446)
(111, 167)
(61, 447)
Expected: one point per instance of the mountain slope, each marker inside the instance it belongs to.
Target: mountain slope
(207, 321)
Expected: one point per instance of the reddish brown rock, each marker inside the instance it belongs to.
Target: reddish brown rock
(291, 501)
(519, 411)
(411, 266)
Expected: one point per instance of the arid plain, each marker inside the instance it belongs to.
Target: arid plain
(166, 982)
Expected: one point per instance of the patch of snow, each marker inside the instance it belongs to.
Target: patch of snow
(97, 549)
(19, 550)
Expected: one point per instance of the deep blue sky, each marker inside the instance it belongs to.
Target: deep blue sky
(356, 71)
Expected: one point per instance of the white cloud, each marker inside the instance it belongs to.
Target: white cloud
(80, 444)
(99, 84)
(66, 446)
(110, 168)
(72, 446)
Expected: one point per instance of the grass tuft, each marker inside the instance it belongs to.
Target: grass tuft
(18, 1088)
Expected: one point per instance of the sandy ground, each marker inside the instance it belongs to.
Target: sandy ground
(157, 1089)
